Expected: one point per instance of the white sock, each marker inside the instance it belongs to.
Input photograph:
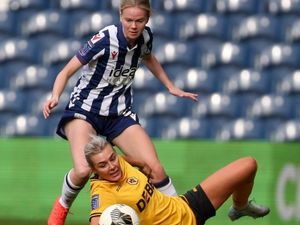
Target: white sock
(166, 187)
(69, 192)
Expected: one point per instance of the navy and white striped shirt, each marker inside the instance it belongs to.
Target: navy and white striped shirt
(104, 86)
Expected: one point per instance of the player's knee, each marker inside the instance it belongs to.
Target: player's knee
(82, 173)
(251, 164)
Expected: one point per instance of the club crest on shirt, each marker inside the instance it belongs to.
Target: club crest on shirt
(132, 181)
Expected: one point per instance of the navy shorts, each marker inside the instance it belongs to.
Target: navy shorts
(200, 204)
(108, 126)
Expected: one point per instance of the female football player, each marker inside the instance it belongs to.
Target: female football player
(101, 100)
(118, 182)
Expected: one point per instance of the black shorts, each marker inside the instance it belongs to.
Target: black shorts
(200, 204)
(107, 126)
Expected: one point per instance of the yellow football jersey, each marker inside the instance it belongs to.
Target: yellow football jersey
(134, 190)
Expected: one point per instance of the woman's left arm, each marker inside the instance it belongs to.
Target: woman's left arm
(155, 67)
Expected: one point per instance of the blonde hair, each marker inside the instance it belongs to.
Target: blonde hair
(95, 146)
(143, 4)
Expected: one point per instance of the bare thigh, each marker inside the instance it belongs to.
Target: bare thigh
(78, 133)
(136, 143)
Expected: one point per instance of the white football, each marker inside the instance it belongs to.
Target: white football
(119, 214)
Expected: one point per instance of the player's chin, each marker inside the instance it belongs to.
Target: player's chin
(116, 176)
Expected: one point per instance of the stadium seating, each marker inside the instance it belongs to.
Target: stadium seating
(240, 56)
(230, 7)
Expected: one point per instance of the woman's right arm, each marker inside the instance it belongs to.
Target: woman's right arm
(59, 85)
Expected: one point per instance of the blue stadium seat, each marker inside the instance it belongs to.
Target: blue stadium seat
(283, 131)
(150, 125)
(286, 81)
(267, 106)
(33, 77)
(205, 25)
(185, 128)
(238, 129)
(193, 79)
(295, 106)
(144, 80)
(60, 52)
(289, 28)
(73, 5)
(247, 7)
(216, 105)
(90, 23)
(12, 101)
(21, 5)
(17, 50)
(163, 104)
(274, 56)
(162, 24)
(7, 21)
(279, 6)
(239, 81)
(25, 125)
(195, 6)
(253, 27)
(50, 22)
(175, 52)
(226, 54)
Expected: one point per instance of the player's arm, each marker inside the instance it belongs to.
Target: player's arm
(95, 220)
(59, 85)
(155, 67)
(142, 166)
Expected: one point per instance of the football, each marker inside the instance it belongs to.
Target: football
(119, 214)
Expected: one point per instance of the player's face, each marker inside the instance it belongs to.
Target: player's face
(106, 164)
(134, 20)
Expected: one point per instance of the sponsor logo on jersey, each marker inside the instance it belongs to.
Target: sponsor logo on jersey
(146, 196)
(114, 54)
(132, 181)
(121, 76)
(95, 202)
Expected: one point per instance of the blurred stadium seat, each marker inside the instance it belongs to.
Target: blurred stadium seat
(238, 129)
(17, 50)
(279, 6)
(162, 24)
(90, 23)
(60, 52)
(215, 105)
(33, 77)
(232, 6)
(205, 25)
(18, 5)
(162, 104)
(225, 54)
(193, 79)
(7, 21)
(274, 56)
(175, 52)
(185, 128)
(289, 28)
(267, 106)
(253, 27)
(195, 6)
(12, 101)
(45, 23)
(239, 81)
(283, 131)
(144, 80)
(286, 81)
(70, 5)
(24, 125)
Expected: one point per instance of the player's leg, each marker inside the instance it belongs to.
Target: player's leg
(136, 143)
(77, 132)
(236, 179)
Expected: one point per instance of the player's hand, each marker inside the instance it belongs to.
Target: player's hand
(49, 105)
(183, 94)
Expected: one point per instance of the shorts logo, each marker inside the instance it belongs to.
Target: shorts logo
(132, 181)
(95, 202)
(80, 116)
